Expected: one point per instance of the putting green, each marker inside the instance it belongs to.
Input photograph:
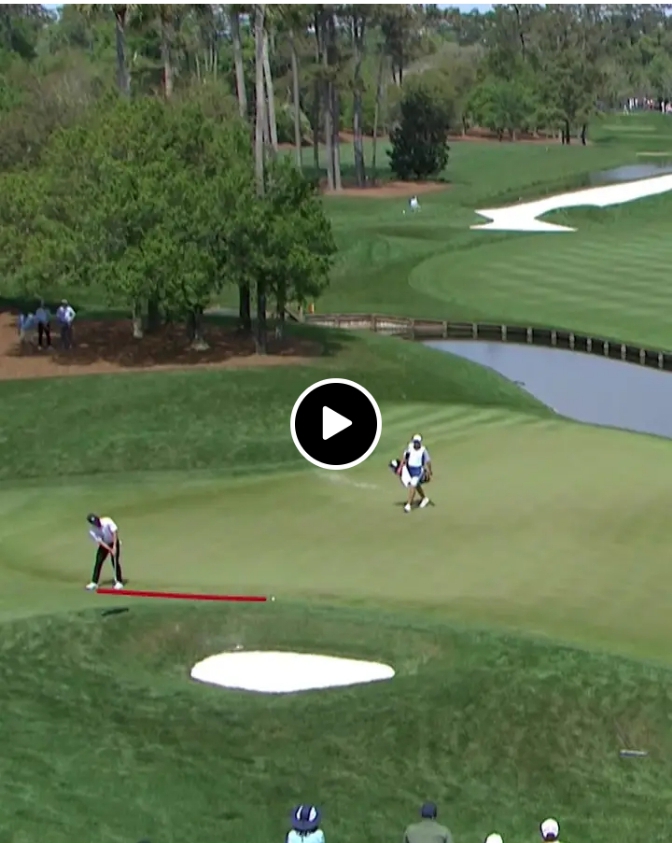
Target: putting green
(537, 526)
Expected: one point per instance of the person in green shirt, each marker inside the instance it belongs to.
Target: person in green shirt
(428, 830)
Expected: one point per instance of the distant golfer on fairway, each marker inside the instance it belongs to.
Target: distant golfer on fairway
(106, 535)
(415, 469)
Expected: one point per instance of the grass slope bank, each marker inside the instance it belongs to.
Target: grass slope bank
(233, 421)
(500, 732)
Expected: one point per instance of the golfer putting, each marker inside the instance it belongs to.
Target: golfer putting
(414, 469)
(105, 534)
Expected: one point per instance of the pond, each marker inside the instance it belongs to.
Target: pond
(584, 387)
(632, 172)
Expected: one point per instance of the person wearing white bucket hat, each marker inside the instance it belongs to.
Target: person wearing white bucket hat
(549, 830)
(494, 838)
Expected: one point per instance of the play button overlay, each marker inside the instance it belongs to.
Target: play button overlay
(333, 423)
(336, 424)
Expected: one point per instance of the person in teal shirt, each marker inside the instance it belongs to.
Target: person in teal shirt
(305, 820)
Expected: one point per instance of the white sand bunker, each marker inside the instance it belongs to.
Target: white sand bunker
(523, 217)
(286, 673)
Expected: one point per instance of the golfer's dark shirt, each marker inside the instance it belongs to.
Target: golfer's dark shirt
(427, 831)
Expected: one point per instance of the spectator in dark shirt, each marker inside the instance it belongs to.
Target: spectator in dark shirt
(428, 830)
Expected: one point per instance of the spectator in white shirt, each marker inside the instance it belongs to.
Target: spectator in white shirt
(66, 316)
(43, 319)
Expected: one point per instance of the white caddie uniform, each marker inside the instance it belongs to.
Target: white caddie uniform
(415, 460)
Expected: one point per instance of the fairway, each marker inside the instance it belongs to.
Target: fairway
(526, 615)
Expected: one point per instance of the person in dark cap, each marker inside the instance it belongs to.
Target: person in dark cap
(428, 830)
(305, 820)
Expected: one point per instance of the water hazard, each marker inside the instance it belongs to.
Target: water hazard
(583, 387)
(632, 172)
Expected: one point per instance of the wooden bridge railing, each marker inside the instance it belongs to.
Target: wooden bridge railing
(434, 329)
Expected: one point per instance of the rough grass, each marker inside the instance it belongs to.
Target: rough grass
(102, 728)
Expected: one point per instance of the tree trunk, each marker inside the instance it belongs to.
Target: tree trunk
(281, 305)
(137, 322)
(568, 134)
(259, 39)
(153, 314)
(332, 123)
(336, 147)
(317, 92)
(195, 326)
(238, 61)
(376, 114)
(165, 56)
(358, 141)
(584, 133)
(270, 96)
(244, 308)
(296, 99)
(123, 76)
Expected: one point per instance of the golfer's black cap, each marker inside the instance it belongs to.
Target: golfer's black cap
(91, 518)
(428, 811)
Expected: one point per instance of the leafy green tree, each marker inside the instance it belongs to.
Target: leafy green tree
(298, 239)
(419, 142)
(151, 188)
(505, 106)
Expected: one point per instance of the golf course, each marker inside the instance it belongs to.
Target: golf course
(527, 615)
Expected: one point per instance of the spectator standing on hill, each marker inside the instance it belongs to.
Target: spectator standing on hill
(428, 830)
(305, 822)
(66, 316)
(550, 831)
(43, 319)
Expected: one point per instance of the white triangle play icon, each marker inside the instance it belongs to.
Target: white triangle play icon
(333, 423)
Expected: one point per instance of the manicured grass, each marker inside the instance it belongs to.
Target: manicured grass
(541, 527)
(610, 277)
(222, 421)
(103, 730)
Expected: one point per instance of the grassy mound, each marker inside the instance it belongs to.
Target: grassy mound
(235, 421)
(102, 725)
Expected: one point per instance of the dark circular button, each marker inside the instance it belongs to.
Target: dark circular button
(336, 424)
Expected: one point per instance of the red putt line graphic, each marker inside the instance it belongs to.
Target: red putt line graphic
(172, 595)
